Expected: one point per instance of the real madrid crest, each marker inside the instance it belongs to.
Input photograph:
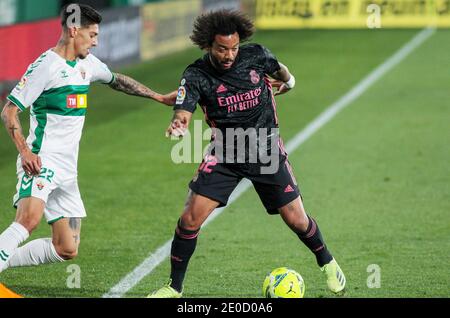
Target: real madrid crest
(254, 77)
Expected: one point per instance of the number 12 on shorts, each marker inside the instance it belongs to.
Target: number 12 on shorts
(210, 161)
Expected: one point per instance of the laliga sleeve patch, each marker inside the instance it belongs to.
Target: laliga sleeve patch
(181, 95)
(21, 84)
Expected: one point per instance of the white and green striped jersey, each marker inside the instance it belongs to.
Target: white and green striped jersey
(57, 92)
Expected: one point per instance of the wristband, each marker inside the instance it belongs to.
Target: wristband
(291, 83)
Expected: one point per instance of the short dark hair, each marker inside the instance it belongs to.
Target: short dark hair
(88, 15)
(221, 22)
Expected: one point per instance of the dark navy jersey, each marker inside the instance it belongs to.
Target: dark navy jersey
(237, 97)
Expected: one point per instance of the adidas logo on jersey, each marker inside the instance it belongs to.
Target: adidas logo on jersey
(221, 89)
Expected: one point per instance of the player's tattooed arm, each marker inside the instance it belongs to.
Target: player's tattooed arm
(130, 86)
(282, 78)
(11, 121)
(179, 124)
(31, 163)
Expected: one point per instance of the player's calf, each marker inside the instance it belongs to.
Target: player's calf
(295, 217)
(306, 229)
(29, 214)
(66, 237)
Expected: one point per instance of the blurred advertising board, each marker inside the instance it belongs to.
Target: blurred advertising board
(275, 14)
(210, 5)
(20, 11)
(166, 26)
(8, 9)
(21, 44)
(119, 41)
(97, 4)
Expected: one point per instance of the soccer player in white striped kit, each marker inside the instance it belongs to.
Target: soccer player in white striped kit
(56, 87)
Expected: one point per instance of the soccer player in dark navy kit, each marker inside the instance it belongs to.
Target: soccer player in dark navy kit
(231, 84)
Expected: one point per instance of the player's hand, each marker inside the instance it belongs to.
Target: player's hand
(282, 89)
(31, 163)
(280, 86)
(177, 128)
(276, 83)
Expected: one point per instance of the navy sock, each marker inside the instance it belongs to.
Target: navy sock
(313, 239)
(183, 246)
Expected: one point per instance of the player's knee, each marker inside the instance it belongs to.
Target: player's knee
(302, 223)
(29, 222)
(190, 222)
(67, 252)
(29, 213)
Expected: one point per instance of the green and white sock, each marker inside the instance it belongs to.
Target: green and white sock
(36, 252)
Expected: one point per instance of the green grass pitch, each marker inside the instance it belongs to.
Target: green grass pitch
(376, 178)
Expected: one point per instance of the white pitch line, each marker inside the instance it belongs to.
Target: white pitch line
(163, 252)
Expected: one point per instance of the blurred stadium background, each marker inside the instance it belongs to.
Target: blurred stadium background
(376, 177)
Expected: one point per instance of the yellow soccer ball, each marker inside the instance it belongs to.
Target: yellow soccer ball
(283, 282)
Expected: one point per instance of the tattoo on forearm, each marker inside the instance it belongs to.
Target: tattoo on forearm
(16, 126)
(12, 125)
(130, 86)
(13, 128)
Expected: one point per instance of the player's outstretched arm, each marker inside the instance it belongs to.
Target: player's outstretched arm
(31, 163)
(285, 81)
(179, 124)
(130, 86)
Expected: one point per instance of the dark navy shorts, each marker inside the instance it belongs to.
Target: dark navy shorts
(217, 181)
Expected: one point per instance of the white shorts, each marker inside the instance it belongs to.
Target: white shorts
(56, 186)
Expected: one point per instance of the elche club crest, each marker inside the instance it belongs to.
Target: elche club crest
(83, 73)
(254, 77)
(40, 185)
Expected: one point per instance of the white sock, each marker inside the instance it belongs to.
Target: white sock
(36, 252)
(12, 237)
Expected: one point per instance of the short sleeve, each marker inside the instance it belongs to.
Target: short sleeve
(270, 62)
(100, 71)
(188, 92)
(30, 86)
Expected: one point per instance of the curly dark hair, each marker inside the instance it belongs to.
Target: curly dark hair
(223, 22)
